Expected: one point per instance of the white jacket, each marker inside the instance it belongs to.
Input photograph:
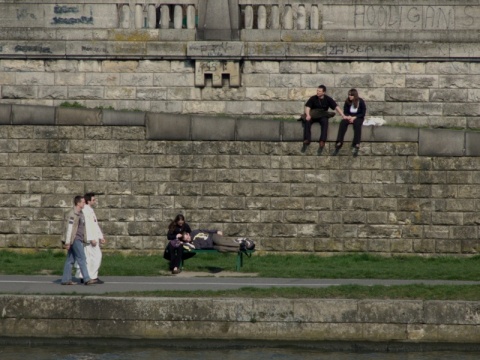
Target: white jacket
(92, 229)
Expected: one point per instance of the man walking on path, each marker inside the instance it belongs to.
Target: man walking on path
(73, 241)
(94, 237)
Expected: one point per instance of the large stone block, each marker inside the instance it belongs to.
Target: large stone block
(472, 145)
(5, 114)
(72, 116)
(436, 142)
(168, 127)
(33, 115)
(292, 131)
(393, 134)
(217, 128)
(123, 118)
(258, 130)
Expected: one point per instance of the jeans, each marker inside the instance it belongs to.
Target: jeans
(75, 253)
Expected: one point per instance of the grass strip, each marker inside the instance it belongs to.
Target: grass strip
(400, 292)
(360, 266)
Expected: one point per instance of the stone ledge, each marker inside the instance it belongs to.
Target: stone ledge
(73, 116)
(162, 126)
(33, 115)
(261, 319)
(213, 128)
(5, 114)
(123, 118)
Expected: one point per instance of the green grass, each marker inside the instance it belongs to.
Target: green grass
(361, 266)
(404, 292)
(75, 104)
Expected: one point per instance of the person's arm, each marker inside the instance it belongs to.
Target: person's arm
(307, 113)
(308, 106)
(172, 235)
(333, 105)
(340, 112)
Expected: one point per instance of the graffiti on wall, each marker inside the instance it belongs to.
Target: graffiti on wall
(33, 48)
(63, 16)
(414, 17)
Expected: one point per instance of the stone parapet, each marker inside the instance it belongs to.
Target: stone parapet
(413, 321)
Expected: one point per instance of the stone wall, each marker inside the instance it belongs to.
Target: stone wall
(435, 94)
(413, 63)
(304, 320)
(410, 190)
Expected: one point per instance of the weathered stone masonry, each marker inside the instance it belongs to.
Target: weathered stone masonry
(303, 320)
(403, 194)
(414, 62)
(411, 190)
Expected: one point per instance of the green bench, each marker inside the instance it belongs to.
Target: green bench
(239, 258)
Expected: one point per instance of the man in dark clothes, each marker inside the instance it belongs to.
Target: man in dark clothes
(316, 110)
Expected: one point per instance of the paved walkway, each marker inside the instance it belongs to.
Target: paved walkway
(19, 284)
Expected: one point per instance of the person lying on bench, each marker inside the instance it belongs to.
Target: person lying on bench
(210, 239)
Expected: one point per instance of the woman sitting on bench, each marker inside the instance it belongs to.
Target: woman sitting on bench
(174, 250)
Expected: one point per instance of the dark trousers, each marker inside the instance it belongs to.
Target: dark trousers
(357, 132)
(307, 128)
(175, 255)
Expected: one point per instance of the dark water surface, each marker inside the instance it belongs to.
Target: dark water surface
(85, 352)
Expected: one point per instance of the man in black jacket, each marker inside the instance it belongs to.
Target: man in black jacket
(316, 110)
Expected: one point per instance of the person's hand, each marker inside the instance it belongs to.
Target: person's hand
(103, 241)
(179, 236)
(66, 246)
(93, 242)
(219, 233)
(308, 117)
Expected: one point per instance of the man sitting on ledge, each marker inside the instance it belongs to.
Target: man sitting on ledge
(316, 110)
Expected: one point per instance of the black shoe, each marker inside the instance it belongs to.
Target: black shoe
(99, 281)
(91, 282)
(335, 152)
(304, 148)
(81, 280)
(320, 150)
(355, 151)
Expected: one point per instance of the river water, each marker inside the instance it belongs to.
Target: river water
(85, 352)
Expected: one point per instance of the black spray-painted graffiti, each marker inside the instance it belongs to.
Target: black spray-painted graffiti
(65, 9)
(34, 48)
(421, 17)
(213, 49)
(94, 49)
(212, 66)
(354, 49)
(72, 21)
(62, 9)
